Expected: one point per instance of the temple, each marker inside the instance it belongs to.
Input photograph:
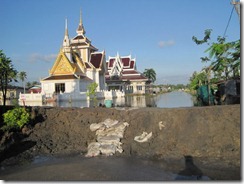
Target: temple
(77, 65)
(122, 75)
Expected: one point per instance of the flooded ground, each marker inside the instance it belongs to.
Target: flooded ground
(79, 168)
(174, 99)
(166, 100)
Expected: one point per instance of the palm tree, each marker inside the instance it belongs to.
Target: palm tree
(22, 77)
(150, 74)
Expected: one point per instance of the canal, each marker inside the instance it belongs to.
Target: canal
(166, 100)
(172, 99)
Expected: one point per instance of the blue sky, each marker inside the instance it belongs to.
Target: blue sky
(157, 32)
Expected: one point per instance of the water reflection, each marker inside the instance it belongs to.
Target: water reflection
(175, 99)
(167, 100)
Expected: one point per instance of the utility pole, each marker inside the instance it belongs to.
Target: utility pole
(237, 5)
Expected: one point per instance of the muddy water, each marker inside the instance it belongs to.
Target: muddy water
(92, 169)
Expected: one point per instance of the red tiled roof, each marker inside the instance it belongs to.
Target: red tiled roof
(132, 64)
(130, 72)
(62, 77)
(111, 62)
(35, 90)
(126, 61)
(134, 77)
(96, 59)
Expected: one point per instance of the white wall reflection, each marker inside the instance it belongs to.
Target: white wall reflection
(166, 100)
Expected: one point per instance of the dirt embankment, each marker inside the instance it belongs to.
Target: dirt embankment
(206, 132)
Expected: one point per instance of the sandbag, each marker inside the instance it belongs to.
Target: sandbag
(93, 149)
(144, 137)
(109, 133)
(96, 126)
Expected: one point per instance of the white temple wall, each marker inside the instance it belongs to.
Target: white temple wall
(90, 74)
(96, 79)
(48, 87)
(83, 85)
(102, 81)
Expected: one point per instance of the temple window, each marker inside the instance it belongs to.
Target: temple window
(139, 88)
(59, 87)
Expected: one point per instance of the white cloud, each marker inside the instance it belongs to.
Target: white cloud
(162, 44)
(36, 57)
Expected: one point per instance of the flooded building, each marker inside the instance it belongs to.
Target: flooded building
(77, 65)
(122, 75)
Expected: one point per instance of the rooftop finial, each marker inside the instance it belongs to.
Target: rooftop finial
(66, 42)
(66, 26)
(80, 30)
(80, 18)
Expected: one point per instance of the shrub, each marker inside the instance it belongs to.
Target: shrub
(92, 92)
(15, 118)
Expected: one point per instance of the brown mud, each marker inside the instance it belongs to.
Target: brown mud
(210, 135)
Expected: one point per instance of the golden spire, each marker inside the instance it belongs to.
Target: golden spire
(66, 41)
(80, 30)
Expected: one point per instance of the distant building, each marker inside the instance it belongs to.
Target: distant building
(12, 92)
(35, 89)
(122, 75)
(77, 65)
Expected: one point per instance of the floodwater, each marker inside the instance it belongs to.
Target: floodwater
(175, 99)
(167, 100)
(79, 168)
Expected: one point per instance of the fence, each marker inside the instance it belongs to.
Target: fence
(35, 97)
(39, 97)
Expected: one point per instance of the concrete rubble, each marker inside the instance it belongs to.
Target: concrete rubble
(109, 133)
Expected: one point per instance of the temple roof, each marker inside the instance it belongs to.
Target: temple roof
(97, 59)
(128, 72)
(66, 77)
(78, 37)
(68, 65)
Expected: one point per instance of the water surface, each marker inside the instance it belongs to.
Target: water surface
(167, 100)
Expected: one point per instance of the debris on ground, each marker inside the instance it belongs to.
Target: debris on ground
(144, 137)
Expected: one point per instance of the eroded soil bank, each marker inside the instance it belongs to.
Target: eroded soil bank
(211, 135)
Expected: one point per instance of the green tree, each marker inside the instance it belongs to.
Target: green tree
(22, 76)
(150, 74)
(224, 56)
(8, 74)
(198, 79)
(92, 88)
(16, 118)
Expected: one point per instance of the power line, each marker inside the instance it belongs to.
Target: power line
(228, 21)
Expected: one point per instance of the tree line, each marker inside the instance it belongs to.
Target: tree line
(223, 61)
(10, 74)
(223, 64)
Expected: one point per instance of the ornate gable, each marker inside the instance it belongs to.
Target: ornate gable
(62, 65)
